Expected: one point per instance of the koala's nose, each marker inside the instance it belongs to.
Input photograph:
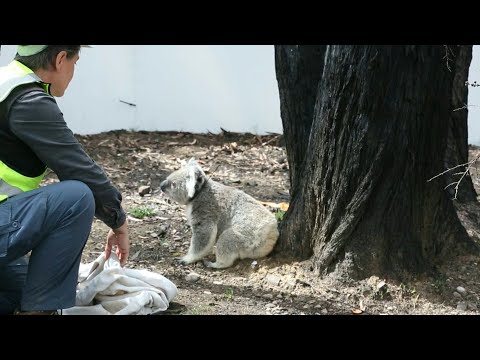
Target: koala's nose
(163, 185)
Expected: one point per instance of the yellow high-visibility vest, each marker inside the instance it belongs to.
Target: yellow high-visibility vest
(12, 182)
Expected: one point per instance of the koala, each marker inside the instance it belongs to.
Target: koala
(220, 215)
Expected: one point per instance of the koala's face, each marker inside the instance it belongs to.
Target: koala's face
(183, 184)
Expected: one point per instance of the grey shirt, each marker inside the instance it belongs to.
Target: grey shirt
(36, 119)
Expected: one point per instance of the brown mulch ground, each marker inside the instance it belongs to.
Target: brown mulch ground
(257, 165)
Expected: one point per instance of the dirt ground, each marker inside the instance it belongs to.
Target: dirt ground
(257, 165)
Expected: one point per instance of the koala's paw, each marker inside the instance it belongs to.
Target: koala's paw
(184, 260)
(214, 265)
(208, 264)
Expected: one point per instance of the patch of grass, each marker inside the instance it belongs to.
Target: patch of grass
(229, 294)
(382, 295)
(141, 212)
(382, 292)
(279, 214)
(438, 285)
(407, 290)
(198, 310)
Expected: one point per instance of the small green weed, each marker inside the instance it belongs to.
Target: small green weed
(229, 294)
(279, 214)
(141, 212)
(407, 290)
(199, 310)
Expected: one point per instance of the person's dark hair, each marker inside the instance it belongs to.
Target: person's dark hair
(45, 59)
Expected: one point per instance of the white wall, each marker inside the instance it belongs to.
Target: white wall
(196, 88)
(474, 99)
(201, 88)
(102, 78)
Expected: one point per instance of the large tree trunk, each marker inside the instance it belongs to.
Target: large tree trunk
(379, 132)
(299, 71)
(456, 151)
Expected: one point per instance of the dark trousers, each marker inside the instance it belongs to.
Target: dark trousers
(53, 222)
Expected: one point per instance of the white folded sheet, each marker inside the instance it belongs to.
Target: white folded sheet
(105, 288)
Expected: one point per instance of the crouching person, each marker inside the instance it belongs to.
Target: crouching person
(43, 230)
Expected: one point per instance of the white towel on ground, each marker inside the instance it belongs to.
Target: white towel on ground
(105, 288)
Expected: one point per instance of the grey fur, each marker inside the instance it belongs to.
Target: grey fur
(220, 215)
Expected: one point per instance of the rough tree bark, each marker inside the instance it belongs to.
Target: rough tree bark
(379, 132)
(456, 152)
(299, 71)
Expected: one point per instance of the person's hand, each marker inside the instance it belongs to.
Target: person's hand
(119, 238)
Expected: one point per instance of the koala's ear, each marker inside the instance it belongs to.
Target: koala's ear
(199, 177)
(190, 183)
(183, 163)
(192, 161)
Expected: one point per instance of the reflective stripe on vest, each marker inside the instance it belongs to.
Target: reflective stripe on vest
(12, 182)
(16, 74)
